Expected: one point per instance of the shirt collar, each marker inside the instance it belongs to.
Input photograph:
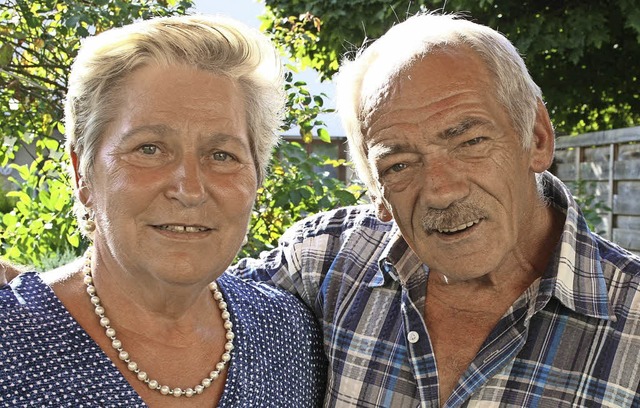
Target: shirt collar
(574, 274)
(397, 262)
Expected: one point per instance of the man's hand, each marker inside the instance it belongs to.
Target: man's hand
(8, 271)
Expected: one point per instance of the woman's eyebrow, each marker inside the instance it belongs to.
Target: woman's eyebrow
(160, 130)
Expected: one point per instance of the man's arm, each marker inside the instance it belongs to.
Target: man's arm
(8, 271)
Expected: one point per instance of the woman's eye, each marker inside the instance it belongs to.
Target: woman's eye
(149, 149)
(221, 156)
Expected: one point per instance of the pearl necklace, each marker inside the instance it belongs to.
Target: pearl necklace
(133, 366)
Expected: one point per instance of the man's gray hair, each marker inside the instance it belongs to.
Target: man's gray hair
(414, 39)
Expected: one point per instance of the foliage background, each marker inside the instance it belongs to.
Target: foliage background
(584, 54)
(38, 41)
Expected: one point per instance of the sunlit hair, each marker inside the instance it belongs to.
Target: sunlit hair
(212, 43)
(414, 39)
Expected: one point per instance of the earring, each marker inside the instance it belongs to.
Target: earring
(88, 224)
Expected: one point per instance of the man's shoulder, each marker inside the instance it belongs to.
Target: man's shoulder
(360, 218)
(615, 257)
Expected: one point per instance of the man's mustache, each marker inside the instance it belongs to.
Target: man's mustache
(456, 214)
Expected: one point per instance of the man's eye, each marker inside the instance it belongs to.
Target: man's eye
(397, 167)
(149, 149)
(474, 141)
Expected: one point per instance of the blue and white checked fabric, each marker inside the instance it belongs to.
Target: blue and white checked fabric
(572, 339)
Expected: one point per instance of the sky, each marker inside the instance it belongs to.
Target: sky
(247, 11)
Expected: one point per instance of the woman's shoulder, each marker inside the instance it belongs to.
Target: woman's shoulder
(29, 308)
(261, 303)
(22, 290)
(243, 290)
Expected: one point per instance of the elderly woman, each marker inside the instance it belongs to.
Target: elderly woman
(170, 124)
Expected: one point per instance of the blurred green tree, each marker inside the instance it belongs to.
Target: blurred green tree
(38, 41)
(584, 54)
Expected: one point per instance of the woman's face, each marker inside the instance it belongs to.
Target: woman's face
(174, 180)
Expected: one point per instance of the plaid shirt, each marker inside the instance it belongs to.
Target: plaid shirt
(571, 339)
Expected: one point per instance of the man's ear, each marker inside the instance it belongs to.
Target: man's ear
(382, 212)
(543, 143)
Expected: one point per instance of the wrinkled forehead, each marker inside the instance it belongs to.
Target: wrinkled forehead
(378, 86)
(382, 82)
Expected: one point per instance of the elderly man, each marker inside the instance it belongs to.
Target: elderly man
(475, 280)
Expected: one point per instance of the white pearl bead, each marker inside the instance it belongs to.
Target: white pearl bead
(225, 315)
(198, 389)
(230, 335)
(116, 344)
(206, 383)
(164, 390)
(99, 310)
(222, 305)
(188, 393)
(123, 355)
(226, 357)
(143, 376)
(95, 300)
(91, 290)
(132, 366)
(214, 375)
(213, 286)
(104, 321)
(228, 346)
(153, 384)
(177, 392)
(217, 296)
(88, 280)
(110, 332)
(228, 325)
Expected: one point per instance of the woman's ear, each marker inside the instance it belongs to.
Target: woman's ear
(543, 143)
(82, 189)
(76, 171)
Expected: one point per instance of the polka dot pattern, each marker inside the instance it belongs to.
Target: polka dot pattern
(48, 360)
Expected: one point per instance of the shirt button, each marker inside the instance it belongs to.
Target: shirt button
(413, 337)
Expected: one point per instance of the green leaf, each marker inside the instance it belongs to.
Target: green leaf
(323, 134)
(6, 53)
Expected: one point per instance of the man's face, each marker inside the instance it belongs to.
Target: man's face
(450, 165)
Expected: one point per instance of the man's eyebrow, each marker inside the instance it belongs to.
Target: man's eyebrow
(380, 152)
(461, 128)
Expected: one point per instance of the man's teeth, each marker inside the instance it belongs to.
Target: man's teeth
(182, 228)
(459, 227)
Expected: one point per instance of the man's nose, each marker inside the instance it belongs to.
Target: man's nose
(444, 183)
